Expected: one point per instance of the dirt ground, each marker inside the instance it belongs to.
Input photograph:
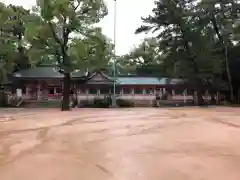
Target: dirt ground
(120, 144)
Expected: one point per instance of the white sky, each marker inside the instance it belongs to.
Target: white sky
(129, 14)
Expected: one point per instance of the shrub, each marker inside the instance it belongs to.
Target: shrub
(105, 103)
(3, 98)
(84, 103)
(101, 103)
(96, 103)
(124, 103)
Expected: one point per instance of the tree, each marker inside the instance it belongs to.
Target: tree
(146, 53)
(185, 46)
(220, 18)
(96, 53)
(144, 60)
(124, 65)
(14, 49)
(7, 46)
(60, 21)
(17, 21)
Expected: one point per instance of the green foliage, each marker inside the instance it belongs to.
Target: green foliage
(144, 55)
(96, 103)
(3, 98)
(6, 44)
(13, 47)
(101, 103)
(66, 32)
(58, 32)
(106, 103)
(124, 103)
(92, 52)
(187, 36)
(193, 37)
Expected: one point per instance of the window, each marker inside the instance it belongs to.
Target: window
(149, 91)
(92, 91)
(104, 91)
(179, 91)
(51, 90)
(118, 90)
(127, 91)
(138, 91)
(82, 91)
(58, 90)
(190, 92)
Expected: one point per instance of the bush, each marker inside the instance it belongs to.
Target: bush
(101, 103)
(124, 103)
(3, 99)
(49, 104)
(105, 103)
(84, 103)
(96, 103)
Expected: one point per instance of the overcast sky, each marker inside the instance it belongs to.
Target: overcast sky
(129, 14)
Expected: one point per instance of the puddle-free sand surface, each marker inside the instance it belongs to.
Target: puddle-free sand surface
(120, 144)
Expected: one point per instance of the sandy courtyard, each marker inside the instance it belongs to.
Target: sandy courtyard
(120, 144)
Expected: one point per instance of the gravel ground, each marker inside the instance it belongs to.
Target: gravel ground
(120, 144)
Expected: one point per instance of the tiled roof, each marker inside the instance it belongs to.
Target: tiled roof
(51, 72)
(44, 72)
(147, 81)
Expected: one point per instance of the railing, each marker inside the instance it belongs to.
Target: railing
(131, 97)
(139, 97)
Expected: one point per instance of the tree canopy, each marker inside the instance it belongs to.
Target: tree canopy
(60, 21)
(193, 37)
(13, 46)
(60, 32)
(197, 40)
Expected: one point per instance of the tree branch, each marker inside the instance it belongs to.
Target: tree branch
(54, 34)
(58, 57)
(216, 29)
(79, 2)
(66, 32)
(77, 6)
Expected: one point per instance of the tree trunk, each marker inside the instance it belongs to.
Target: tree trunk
(75, 98)
(216, 28)
(199, 92)
(200, 100)
(213, 100)
(66, 92)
